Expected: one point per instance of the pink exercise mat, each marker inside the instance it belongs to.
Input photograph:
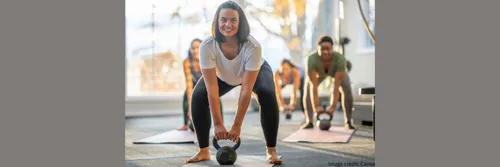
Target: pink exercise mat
(315, 135)
(170, 137)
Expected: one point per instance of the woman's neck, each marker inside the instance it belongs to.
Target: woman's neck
(232, 41)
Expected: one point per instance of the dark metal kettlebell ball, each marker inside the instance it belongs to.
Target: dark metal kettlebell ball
(323, 124)
(288, 115)
(226, 155)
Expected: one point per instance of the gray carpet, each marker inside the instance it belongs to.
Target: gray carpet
(359, 149)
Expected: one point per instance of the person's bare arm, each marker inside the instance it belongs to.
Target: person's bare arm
(339, 78)
(279, 97)
(208, 69)
(296, 86)
(248, 82)
(314, 80)
(252, 69)
(210, 78)
(312, 76)
(189, 85)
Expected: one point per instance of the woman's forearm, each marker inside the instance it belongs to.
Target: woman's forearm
(336, 95)
(296, 86)
(210, 78)
(293, 98)
(189, 93)
(315, 95)
(277, 79)
(213, 100)
(189, 97)
(280, 99)
(243, 103)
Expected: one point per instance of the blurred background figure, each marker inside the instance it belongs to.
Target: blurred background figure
(289, 74)
(192, 74)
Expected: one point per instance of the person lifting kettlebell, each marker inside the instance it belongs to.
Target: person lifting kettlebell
(231, 57)
(324, 124)
(192, 74)
(322, 63)
(289, 74)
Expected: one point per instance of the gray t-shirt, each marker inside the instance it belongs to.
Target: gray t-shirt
(231, 71)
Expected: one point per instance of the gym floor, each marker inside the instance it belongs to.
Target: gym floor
(359, 149)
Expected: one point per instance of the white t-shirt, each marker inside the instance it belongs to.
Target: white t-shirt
(231, 71)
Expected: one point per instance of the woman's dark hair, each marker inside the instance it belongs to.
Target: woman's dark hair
(243, 26)
(286, 61)
(190, 46)
(325, 38)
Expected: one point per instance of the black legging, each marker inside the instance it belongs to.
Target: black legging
(266, 96)
(185, 108)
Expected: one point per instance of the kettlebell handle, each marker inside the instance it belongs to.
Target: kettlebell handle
(217, 146)
(321, 113)
(324, 112)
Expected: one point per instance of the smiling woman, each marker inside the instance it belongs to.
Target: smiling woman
(229, 58)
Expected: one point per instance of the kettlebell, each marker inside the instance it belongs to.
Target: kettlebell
(226, 155)
(323, 124)
(288, 115)
(191, 126)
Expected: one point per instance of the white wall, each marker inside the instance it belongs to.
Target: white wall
(363, 60)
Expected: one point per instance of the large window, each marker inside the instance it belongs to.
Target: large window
(157, 42)
(158, 35)
(366, 42)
